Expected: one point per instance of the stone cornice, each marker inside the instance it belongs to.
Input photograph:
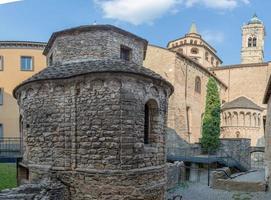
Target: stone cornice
(22, 45)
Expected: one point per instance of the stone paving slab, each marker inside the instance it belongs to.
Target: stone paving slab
(199, 191)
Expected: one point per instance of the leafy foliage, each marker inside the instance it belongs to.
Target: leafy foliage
(211, 120)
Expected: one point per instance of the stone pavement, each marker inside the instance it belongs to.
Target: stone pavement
(200, 191)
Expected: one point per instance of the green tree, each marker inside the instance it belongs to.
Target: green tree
(211, 120)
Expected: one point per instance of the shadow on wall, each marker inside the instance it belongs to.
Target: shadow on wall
(174, 140)
(260, 142)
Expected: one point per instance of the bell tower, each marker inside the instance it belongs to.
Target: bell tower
(253, 34)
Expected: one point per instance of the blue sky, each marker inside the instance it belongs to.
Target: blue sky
(159, 21)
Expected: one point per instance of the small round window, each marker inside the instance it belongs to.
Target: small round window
(194, 51)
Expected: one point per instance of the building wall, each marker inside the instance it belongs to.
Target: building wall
(248, 80)
(245, 80)
(10, 77)
(185, 106)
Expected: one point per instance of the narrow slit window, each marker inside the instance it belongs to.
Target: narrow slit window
(147, 125)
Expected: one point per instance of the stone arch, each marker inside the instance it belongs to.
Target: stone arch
(223, 119)
(254, 42)
(229, 119)
(248, 119)
(242, 119)
(259, 120)
(151, 121)
(249, 42)
(235, 119)
(198, 84)
(194, 50)
(254, 120)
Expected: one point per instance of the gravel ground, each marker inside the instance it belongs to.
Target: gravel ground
(199, 191)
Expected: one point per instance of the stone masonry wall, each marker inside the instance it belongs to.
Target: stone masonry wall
(94, 125)
(181, 73)
(96, 44)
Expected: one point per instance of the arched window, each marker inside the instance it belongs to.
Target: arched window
(194, 50)
(249, 42)
(195, 42)
(180, 50)
(150, 121)
(206, 56)
(198, 85)
(212, 60)
(191, 41)
(254, 42)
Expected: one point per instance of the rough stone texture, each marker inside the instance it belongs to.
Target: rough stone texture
(47, 189)
(84, 120)
(95, 42)
(238, 149)
(175, 174)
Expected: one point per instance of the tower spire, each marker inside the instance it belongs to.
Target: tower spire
(193, 28)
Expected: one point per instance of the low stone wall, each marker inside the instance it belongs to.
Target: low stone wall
(47, 189)
(238, 149)
(219, 180)
(175, 174)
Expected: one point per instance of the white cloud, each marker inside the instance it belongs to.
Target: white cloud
(8, 1)
(213, 37)
(216, 4)
(136, 11)
(146, 11)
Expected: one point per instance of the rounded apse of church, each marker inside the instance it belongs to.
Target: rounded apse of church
(240, 118)
(95, 117)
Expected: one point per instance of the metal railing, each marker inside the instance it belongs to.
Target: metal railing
(194, 154)
(10, 147)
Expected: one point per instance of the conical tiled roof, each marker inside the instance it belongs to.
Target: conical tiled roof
(193, 29)
(241, 102)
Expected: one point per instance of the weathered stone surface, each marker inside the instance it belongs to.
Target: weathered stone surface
(84, 121)
(47, 189)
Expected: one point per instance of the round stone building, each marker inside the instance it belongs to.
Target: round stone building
(241, 118)
(95, 117)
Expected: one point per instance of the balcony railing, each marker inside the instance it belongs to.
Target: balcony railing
(10, 147)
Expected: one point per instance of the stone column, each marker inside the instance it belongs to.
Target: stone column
(194, 173)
